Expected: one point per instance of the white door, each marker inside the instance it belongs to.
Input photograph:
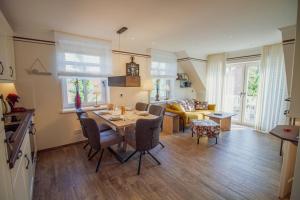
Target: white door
(240, 91)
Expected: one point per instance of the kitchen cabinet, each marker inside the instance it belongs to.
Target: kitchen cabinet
(5, 182)
(7, 57)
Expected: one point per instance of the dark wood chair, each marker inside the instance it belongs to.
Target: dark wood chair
(145, 137)
(141, 106)
(158, 111)
(102, 127)
(99, 140)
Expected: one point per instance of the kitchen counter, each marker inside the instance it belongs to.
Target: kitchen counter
(15, 137)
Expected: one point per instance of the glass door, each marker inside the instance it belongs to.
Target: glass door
(250, 94)
(240, 91)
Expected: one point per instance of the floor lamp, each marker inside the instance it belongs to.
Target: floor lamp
(148, 86)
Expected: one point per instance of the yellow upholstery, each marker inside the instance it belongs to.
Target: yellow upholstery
(189, 116)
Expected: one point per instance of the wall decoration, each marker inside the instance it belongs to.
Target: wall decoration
(38, 68)
(184, 80)
(132, 68)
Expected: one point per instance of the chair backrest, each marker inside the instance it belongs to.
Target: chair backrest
(147, 133)
(80, 113)
(156, 110)
(92, 131)
(141, 106)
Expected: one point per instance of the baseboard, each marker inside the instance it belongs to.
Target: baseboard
(61, 146)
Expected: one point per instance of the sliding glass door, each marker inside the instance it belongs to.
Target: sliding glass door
(240, 91)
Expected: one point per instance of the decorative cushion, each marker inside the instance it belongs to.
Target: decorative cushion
(188, 105)
(201, 105)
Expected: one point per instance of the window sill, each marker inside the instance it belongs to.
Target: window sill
(88, 108)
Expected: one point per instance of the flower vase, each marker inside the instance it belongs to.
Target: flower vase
(77, 100)
(77, 96)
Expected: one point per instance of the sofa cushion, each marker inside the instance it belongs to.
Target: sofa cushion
(201, 105)
(188, 105)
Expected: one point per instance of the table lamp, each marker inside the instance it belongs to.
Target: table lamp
(96, 93)
(148, 86)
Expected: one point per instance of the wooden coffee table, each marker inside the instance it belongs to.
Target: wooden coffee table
(224, 119)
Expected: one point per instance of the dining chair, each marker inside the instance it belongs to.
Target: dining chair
(141, 106)
(144, 138)
(99, 140)
(158, 111)
(102, 127)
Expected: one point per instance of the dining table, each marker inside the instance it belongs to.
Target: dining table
(123, 124)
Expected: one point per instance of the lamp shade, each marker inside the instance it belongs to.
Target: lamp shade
(148, 85)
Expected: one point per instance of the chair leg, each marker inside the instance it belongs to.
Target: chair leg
(90, 151)
(154, 158)
(130, 156)
(162, 145)
(140, 162)
(198, 139)
(93, 155)
(84, 147)
(99, 161)
(216, 140)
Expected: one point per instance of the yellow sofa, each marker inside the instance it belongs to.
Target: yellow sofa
(187, 117)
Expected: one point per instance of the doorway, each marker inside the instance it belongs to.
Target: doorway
(240, 91)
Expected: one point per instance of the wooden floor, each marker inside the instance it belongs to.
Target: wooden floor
(244, 165)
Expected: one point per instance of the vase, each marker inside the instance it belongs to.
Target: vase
(77, 100)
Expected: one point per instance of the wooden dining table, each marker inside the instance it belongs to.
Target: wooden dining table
(123, 126)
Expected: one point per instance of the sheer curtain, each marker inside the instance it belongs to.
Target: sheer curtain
(215, 78)
(273, 89)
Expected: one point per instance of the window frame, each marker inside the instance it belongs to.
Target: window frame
(84, 103)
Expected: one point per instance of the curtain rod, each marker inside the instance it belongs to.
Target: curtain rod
(49, 42)
(190, 58)
(241, 57)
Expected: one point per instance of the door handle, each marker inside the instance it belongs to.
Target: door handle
(2, 68)
(28, 161)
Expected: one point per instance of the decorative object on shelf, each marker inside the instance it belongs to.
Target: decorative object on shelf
(12, 99)
(132, 68)
(77, 96)
(38, 68)
(184, 80)
(157, 90)
(148, 86)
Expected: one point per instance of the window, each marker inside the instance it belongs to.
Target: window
(85, 59)
(163, 71)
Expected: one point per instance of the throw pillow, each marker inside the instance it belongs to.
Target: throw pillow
(203, 105)
(188, 105)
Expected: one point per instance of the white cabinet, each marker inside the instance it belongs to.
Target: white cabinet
(22, 172)
(7, 58)
(5, 178)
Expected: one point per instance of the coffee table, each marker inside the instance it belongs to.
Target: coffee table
(224, 119)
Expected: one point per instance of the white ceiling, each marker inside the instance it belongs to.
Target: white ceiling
(199, 27)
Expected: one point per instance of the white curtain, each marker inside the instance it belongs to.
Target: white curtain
(81, 56)
(215, 78)
(272, 89)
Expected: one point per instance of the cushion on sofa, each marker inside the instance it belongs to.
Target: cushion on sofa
(201, 105)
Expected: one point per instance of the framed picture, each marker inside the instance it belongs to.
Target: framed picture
(132, 68)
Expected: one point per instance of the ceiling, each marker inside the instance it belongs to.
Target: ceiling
(199, 27)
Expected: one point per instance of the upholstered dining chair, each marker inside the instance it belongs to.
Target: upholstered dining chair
(102, 127)
(158, 111)
(145, 137)
(141, 106)
(99, 140)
